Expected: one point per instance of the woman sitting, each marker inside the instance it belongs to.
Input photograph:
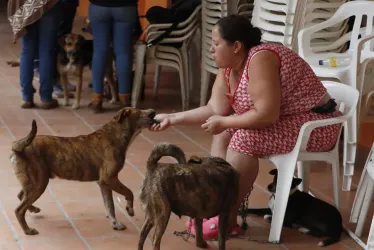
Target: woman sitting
(262, 95)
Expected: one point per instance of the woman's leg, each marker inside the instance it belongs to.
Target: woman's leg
(248, 167)
(101, 20)
(29, 47)
(48, 28)
(219, 144)
(124, 22)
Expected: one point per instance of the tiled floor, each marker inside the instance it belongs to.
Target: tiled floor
(72, 215)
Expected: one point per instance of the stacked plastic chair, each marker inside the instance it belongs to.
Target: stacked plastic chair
(171, 51)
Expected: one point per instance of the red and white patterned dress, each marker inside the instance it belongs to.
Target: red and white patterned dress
(301, 90)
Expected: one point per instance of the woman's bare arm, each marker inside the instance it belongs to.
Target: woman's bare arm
(217, 105)
(264, 90)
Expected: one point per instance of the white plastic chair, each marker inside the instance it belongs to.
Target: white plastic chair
(362, 201)
(162, 54)
(359, 52)
(346, 98)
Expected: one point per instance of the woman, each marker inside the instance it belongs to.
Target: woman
(113, 21)
(37, 23)
(262, 95)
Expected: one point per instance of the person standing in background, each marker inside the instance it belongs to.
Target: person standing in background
(113, 21)
(36, 22)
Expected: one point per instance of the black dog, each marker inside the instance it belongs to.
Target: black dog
(310, 214)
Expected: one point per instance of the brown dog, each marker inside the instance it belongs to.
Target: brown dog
(75, 53)
(202, 188)
(98, 156)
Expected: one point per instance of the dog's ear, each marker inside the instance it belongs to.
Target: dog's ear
(195, 159)
(81, 40)
(61, 40)
(122, 114)
(273, 172)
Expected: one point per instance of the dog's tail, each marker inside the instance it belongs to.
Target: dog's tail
(20, 145)
(165, 149)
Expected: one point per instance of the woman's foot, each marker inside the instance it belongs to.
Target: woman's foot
(52, 104)
(210, 228)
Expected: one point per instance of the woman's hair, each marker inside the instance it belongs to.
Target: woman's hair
(238, 28)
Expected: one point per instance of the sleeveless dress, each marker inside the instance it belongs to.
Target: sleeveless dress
(301, 90)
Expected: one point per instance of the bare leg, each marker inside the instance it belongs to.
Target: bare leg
(109, 207)
(147, 226)
(219, 144)
(199, 233)
(247, 166)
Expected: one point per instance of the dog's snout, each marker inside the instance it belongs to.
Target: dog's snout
(152, 114)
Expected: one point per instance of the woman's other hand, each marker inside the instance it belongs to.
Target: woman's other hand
(214, 125)
(164, 120)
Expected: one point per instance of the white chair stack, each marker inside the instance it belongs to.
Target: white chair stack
(165, 54)
(358, 55)
(280, 20)
(212, 11)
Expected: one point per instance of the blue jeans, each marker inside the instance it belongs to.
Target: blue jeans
(112, 24)
(40, 41)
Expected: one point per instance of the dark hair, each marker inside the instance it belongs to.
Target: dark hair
(238, 28)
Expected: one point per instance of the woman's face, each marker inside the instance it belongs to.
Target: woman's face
(221, 51)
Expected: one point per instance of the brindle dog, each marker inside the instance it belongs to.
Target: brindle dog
(202, 188)
(98, 156)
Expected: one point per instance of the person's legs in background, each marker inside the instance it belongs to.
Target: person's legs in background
(101, 21)
(48, 27)
(124, 23)
(29, 45)
(68, 9)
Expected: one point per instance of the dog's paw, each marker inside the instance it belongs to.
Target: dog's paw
(76, 106)
(31, 231)
(130, 211)
(202, 244)
(66, 104)
(268, 217)
(118, 226)
(303, 230)
(33, 209)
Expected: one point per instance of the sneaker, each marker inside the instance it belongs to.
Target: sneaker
(58, 92)
(210, 228)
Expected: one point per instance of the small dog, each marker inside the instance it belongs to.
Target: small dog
(98, 156)
(75, 53)
(305, 212)
(202, 188)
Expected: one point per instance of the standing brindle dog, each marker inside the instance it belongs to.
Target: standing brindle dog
(202, 188)
(98, 156)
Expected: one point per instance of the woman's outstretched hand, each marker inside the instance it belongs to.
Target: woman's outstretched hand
(164, 120)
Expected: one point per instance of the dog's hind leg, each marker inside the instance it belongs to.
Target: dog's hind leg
(109, 208)
(114, 184)
(200, 242)
(32, 209)
(160, 226)
(223, 225)
(147, 226)
(29, 197)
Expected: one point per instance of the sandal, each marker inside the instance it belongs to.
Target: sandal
(210, 228)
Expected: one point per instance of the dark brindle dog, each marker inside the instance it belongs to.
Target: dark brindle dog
(202, 188)
(75, 53)
(98, 156)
